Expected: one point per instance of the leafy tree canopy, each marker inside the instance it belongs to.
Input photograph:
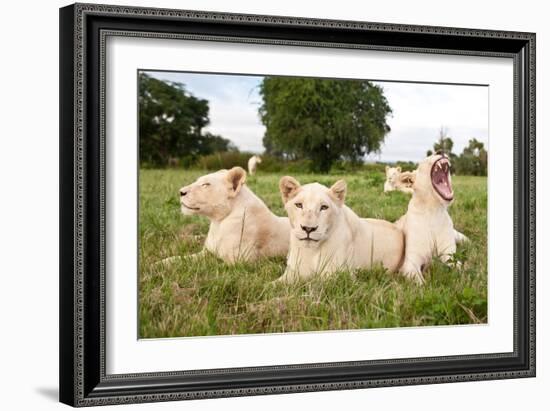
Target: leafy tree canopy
(444, 144)
(472, 161)
(171, 121)
(322, 120)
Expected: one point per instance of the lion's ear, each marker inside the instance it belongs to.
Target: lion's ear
(236, 178)
(387, 169)
(288, 186)
(408, 178)
(398, 169)
(338, 191)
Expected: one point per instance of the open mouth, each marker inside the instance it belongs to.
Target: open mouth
(441, 180)
(190, 208)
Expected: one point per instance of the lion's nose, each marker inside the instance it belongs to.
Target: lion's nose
(308, 229)
(183, 192)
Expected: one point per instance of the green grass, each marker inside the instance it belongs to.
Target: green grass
(209, 297)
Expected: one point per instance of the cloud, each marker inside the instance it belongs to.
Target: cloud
(411, 143)
(419, 111)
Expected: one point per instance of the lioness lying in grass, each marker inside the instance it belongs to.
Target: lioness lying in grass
(399, 180)
(327, 236)
(241, 225)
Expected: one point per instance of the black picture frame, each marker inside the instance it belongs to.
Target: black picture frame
(83, 29)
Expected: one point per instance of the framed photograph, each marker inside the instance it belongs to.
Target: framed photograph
(261, 204)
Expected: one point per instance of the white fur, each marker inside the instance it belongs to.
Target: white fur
(427, 225)
(341, 239)
(241, 225)
(398, 180)
(253, 164)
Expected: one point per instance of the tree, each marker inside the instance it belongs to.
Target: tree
(322, 120)
(171, 121)
(212, 143)
(444, 144)
(473, 160)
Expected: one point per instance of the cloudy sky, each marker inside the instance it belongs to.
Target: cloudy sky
(419, 111)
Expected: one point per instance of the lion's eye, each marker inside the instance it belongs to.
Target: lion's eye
(324, 207)
(298, 205)
(205, 185)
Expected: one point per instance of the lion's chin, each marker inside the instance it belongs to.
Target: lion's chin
(188, 211)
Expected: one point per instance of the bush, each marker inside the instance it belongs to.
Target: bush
(406, 165)
(344, 167)
(172, 162)
(374, 168)
(271, 164)
(297, 166)
(227, 159)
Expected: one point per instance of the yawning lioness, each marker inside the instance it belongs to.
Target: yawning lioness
(428, 228)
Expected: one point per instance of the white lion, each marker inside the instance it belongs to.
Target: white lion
(253, 164)
(428, 228)
(327, 236)
(241, 225)
(399, 180)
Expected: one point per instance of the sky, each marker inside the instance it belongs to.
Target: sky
(419, 112)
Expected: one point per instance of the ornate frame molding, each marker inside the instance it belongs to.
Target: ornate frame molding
(82, 368)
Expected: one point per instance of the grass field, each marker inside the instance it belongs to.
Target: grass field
(210, 297)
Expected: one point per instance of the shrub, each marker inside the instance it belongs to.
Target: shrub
(374, 168)
(343, 167)
(227, 159)
(406, 165)
(297, 166)
(271, 164)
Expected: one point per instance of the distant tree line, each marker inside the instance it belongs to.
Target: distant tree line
(472, 161)
(171, 123)
(311, 124)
